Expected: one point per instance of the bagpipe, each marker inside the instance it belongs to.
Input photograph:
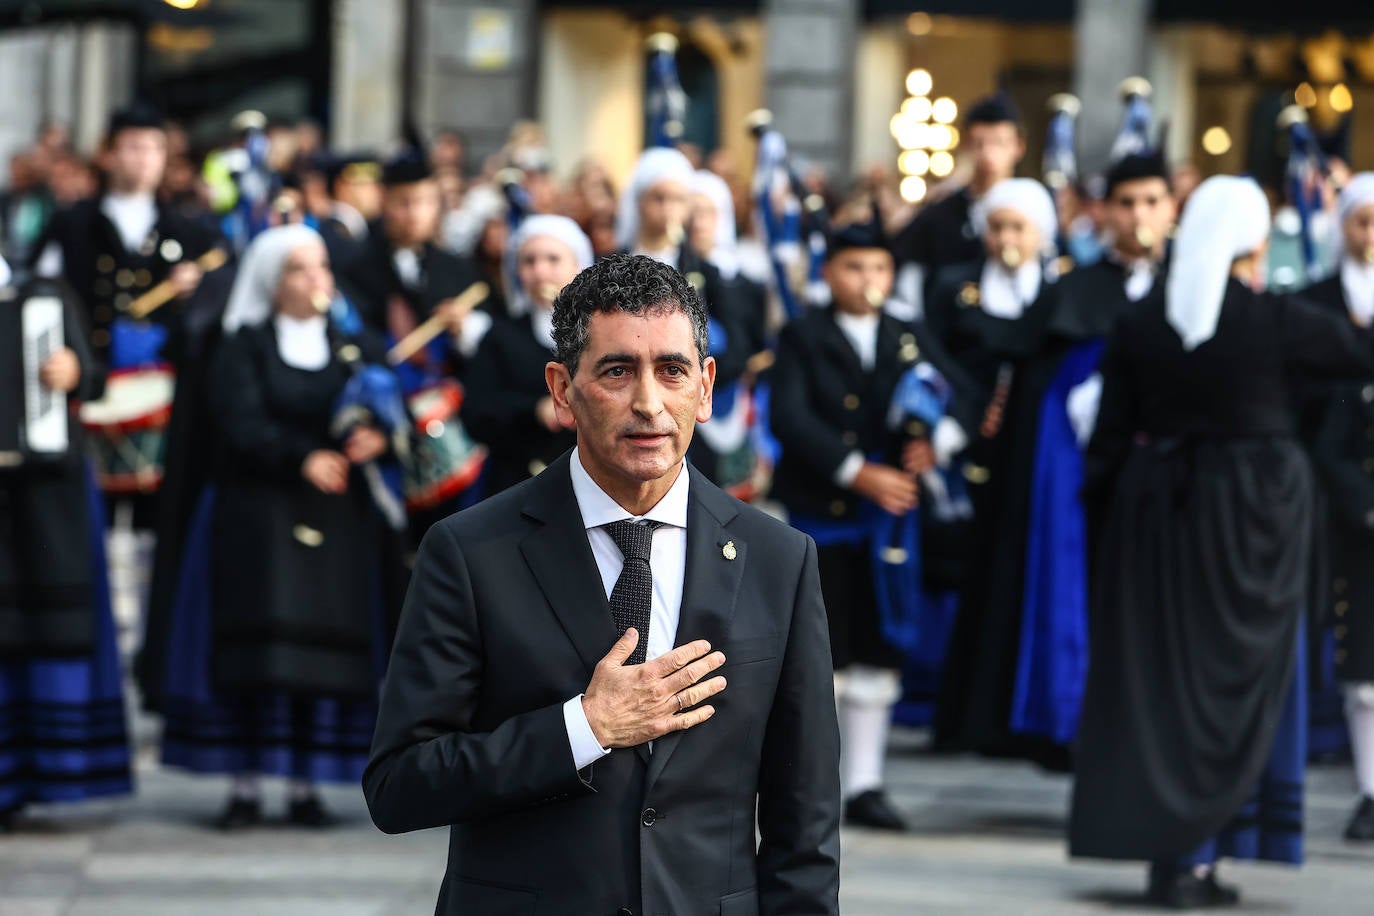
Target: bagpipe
(1059, 164)
(665, 102)
(791, 221)
(1304, 173)
(256, 184)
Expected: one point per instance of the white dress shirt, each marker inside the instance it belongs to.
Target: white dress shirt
(1357, 282)
(303, 343)
(862, 333)
(133, 216)
(667, 561)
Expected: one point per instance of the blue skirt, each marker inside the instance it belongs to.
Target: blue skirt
(63, 733)
(313, 738)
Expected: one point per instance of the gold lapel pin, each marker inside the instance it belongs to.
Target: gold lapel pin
(728, 551)
(968, 294)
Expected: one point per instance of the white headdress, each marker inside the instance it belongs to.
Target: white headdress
(558, 227)
(654, 165)
(1225, 218)
(723, 255)
(255, 285)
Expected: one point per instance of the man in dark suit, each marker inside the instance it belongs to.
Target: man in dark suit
(577, 776)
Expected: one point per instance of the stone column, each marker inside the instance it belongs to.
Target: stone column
(1111, 42)
(809, 77)
(476, 70)
(369, 73)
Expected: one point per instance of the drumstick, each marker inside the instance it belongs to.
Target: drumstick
(433, 326)
(166, 291)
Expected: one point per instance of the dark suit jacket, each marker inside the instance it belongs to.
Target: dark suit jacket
(505, 620)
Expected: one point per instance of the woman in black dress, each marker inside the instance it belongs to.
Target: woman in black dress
(507, 405)
(1191, 744)
(1344, 456)
(991, 316)
(276, 639)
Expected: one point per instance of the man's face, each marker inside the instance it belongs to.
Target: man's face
(996, 149)
(138, 156)
(661, 207)
(1139, 215)
(363, 194)
(639, 391)
(1012, 238)
(860, 279)
(411, 213)
(1359, 234)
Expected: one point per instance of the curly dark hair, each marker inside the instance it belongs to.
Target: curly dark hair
(627, 283)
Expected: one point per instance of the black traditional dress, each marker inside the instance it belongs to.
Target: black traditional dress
(505, 384)
(63, 735)
(1004, 357)
(278, 634)
(1190, 743)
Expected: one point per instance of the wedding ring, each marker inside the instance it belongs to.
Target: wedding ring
(679, 702)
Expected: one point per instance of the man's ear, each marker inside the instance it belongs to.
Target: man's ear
(708, 386)
(558, 379)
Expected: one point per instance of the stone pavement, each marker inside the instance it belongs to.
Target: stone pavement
(988, 841)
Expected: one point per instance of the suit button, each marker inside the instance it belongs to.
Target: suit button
(851, 402)
(1342, 607)
(851, 438)
(837, 507)
(915, 429)
(648, 817)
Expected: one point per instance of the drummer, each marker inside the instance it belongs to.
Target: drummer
(398, 277)
(275, 647)
(508, 406)
(111, 250)
(60, 676)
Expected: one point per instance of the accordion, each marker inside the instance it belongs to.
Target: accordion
(33, 425)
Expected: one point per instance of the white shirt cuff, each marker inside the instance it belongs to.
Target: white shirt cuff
(849, 469)
(586, 750)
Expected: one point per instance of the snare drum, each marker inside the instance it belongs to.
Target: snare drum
(445, 460)
(128, 429)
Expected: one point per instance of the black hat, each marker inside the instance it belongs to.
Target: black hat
(866, 234)
(997, 108)
(355, 167)
(410, 167)
(139, 115)
(1145, 164)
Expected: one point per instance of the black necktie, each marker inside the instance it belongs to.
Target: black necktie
(633, 596)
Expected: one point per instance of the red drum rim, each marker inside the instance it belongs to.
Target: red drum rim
(156, 419)
(442, 491)
(448, 403)
(129, 483)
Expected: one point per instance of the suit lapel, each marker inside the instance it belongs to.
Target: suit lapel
(560, 557)
(710, 584)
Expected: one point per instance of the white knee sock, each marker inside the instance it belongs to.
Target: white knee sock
(865, 720)
(1359, 712)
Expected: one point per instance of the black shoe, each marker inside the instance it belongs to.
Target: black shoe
(9, 820)
(873, 809)
(1222, 894)
(240, 813)
(1361, 826)
(1184, 890)
(310, 812)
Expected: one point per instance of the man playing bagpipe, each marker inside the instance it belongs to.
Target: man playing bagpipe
(1139, 213)
(849, 479)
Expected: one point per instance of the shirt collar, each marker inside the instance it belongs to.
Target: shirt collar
(599, 509)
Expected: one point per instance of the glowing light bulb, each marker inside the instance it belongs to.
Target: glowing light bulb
(919, 82)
